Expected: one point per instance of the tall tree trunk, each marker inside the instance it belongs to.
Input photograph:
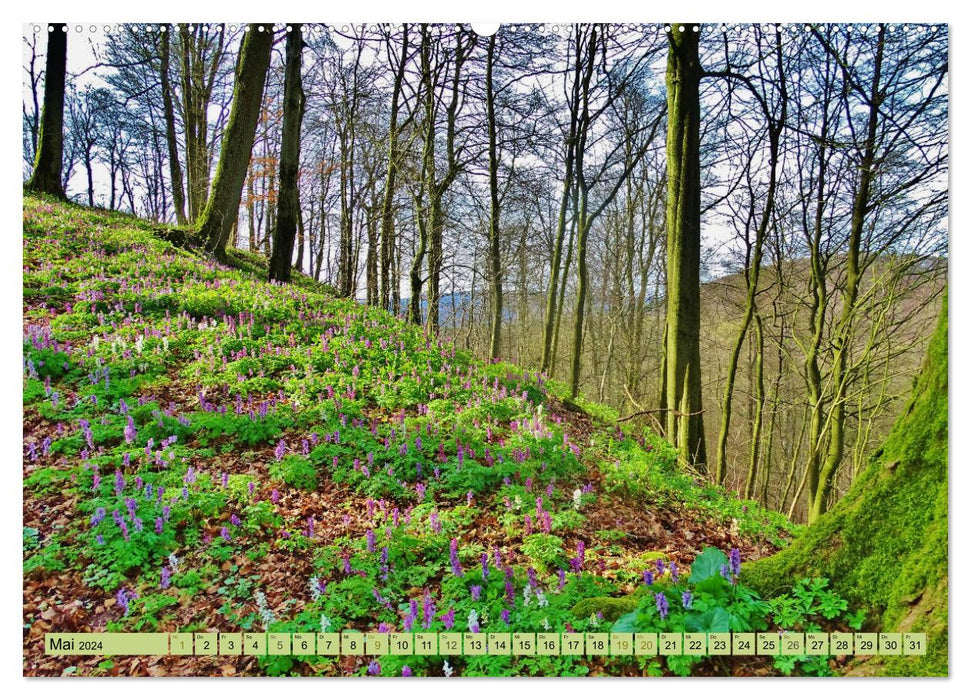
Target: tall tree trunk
(551, 326)
(684, 242)
(495, 263)
(46, 177)
(844, 329)
(759, 405)
(175, 167)
(222, 208)
(387, 206)
(752, 276)
(583, 229)
(424, 214)
(288, 214)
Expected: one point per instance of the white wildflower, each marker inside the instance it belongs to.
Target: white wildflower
(517, 504)
(314, 587)
(96, 340)
(541, 600)
(577, 495)
(546, 623)
(446, 669)
(473, 619)
(526, 595)
(594, 621)
(264, 609)
(174, 561)
(165, 343)
(140, 344)
(324, 623)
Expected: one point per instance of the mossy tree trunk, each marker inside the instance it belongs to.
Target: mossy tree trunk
(884, 545)
(288, 216)
(46, 177)
(683, 222)
(222, 208)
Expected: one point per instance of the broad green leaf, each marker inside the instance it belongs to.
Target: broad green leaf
(714, 620)
(707, 565)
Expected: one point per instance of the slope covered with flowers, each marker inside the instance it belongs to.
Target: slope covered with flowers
(207, 451)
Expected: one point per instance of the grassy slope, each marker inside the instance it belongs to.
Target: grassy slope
(884, 545)
(204, 450)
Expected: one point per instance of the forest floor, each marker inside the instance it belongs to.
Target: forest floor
(204, 451)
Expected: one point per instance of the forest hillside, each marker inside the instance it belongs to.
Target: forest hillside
(206, 450)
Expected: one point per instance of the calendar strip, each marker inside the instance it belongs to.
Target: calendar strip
(512, 644)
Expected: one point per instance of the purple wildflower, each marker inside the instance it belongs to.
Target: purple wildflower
(448, 619)
(661, 602)
(505, 615)
(648, 578)
(406, 672)
(510, 590)
(130, 431)
(428, 610)
(686, 600)
(476, 592)
(674, 572)
(165, 578)
(369, 536)
(374, 668)
(735, 561)
(224, 532)
(453, 557)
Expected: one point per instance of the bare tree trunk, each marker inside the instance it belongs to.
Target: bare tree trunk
(839, 378)
(495, 263)
(387, 207)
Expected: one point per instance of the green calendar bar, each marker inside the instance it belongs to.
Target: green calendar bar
(107, 644)
(509, 644)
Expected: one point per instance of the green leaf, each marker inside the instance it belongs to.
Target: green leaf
(707, 565)
(786, 664)
(714, 620)
(855, 621)
(626, 623)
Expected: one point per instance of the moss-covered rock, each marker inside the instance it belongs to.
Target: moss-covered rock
(610, 608)
(884, 545)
